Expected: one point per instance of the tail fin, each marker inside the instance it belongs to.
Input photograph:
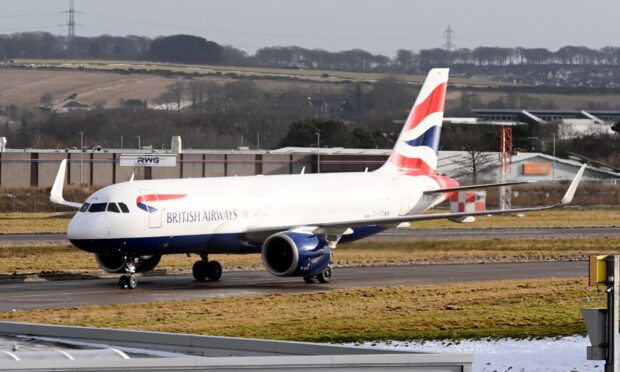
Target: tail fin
(415, 151)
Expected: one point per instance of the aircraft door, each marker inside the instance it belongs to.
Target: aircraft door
(151, 204)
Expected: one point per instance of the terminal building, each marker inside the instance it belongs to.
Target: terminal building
(571, 123)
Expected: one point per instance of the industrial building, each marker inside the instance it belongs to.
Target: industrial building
(37, 168)
(571, 123)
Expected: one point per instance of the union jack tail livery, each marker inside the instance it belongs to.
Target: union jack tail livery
(415, 152)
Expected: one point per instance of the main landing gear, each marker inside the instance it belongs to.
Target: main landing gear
(129, 281)
(324, 276)
(205, 269)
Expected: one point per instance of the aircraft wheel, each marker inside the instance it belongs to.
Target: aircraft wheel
(132, 282)
(214, 271)
(199, 270)
(123, 282)
(326, 275)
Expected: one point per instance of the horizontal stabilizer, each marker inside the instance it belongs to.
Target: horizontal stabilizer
(476, 187)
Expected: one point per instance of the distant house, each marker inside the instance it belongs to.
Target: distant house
(134, 104)
(73, 106)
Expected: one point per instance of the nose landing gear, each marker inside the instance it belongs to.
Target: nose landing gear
(205, 269)
(129, 280)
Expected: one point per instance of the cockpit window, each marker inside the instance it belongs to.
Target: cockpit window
(123, 207)
(112, 207)
(84, 207)
(97, 207)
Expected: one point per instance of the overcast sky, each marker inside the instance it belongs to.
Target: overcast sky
(379, 26)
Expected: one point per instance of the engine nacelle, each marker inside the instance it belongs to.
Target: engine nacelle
(116, 263)
(295, 254)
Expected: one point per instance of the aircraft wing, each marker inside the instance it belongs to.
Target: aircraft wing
(567, 199)
(343, 226)
(56, 193)
(476, 187)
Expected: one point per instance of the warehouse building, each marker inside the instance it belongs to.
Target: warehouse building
(37, 168)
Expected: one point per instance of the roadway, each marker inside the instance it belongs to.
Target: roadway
(69, 293)
(407, 233)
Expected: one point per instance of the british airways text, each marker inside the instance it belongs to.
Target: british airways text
(201, 216)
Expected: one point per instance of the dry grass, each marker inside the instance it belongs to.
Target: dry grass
(33, 223)
(521, 309)
(62, 259)
(261, 72)
(563, 217)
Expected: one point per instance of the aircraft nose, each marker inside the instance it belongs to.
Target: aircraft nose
(75, 230)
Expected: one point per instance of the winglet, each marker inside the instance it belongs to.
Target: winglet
(59, 183)
(570, 193)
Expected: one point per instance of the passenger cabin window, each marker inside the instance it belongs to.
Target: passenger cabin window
(97, 207)
(123, 207)
(84, 207)
(112, 207)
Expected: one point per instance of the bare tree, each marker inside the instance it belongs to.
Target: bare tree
(474, 162)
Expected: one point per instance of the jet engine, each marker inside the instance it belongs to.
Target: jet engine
(116, 263)
(295, 254)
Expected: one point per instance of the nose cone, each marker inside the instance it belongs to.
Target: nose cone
(78, 228)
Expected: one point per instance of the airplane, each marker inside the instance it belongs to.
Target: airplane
(293, 221)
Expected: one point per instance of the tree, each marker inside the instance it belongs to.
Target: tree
(171, 98)
(474, 162)
(185, 49)
(404, 59)
(616, 127)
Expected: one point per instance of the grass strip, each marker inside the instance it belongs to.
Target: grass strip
(64, 258)
(518, 309)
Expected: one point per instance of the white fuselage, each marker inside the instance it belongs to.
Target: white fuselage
(204, 208)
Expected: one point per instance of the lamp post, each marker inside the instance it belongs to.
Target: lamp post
(81, 156)
(139, 147)
(318, 152)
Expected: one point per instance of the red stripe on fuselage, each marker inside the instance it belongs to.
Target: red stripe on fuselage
(160, 197)
(433, 103)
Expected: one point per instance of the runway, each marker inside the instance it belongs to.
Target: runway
(404, 233)
(69, 293)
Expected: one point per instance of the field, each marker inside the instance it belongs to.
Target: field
(251, 72)
(520, 309)
(106, 82)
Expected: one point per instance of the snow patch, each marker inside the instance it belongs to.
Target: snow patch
(547, 354)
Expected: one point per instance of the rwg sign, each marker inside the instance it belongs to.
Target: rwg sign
(148, 160)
